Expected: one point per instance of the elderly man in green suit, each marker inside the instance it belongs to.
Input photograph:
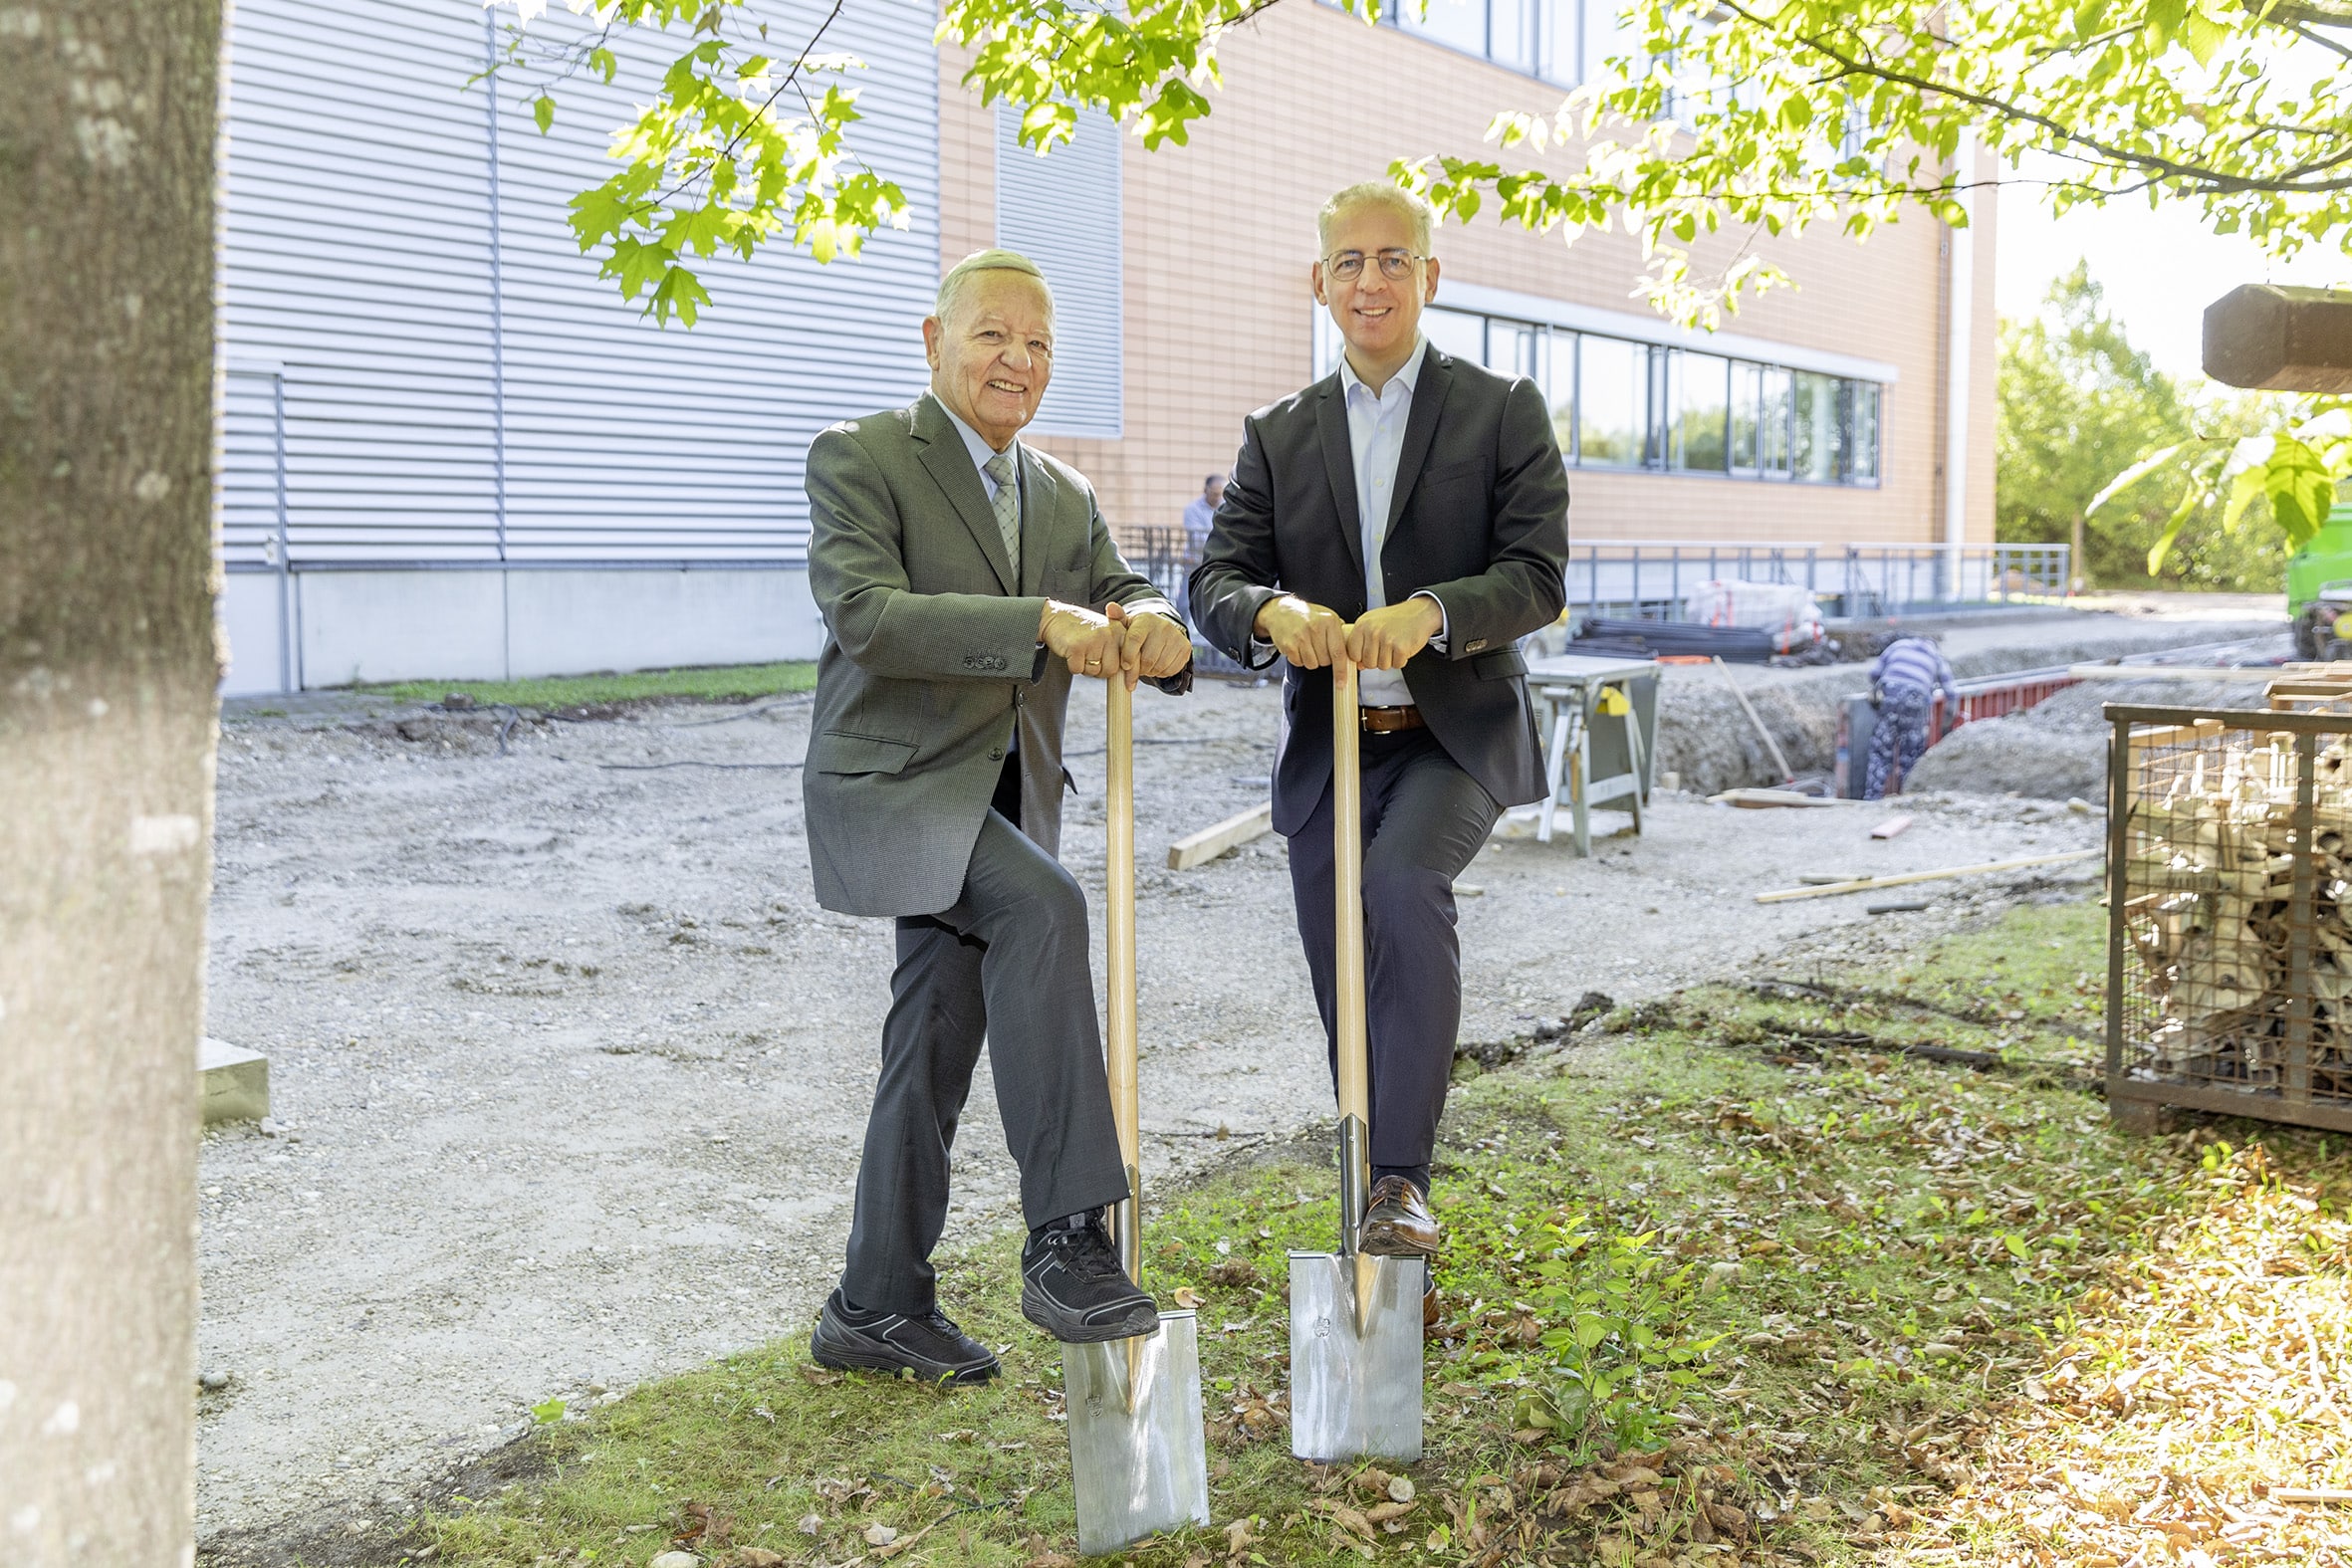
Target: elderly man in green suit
(958, 570)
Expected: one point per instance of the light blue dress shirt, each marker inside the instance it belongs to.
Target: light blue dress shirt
(981, 451)
(1377, 439)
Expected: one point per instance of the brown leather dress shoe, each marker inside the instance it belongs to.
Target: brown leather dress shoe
(1398, 1222)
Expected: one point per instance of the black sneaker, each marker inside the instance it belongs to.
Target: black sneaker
(1072, 1287)
(930, 1347)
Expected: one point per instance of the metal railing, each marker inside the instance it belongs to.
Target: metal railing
(1639, 580)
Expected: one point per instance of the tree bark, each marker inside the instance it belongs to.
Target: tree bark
(108, 674)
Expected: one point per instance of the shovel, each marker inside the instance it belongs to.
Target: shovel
(1138, 1453)
(1355, 1319)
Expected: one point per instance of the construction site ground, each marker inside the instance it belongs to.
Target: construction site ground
(570, 1071)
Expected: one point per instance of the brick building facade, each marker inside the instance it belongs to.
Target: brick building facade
(1218, 319)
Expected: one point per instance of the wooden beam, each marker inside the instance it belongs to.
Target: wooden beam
(1872, 883)
(2275, 338)
(1210, 842)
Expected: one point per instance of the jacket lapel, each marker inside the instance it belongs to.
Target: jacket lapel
(1040, 507)
(1331, 422)
(1429, 399)
(950, 464)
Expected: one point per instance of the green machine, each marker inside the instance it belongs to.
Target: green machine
(2319, 590)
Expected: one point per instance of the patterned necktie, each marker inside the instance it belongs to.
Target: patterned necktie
(1008, 505)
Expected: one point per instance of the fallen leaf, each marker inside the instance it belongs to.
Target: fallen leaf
(812, 1524)
(879, 1535)
(756, 1557)
(817, 1376)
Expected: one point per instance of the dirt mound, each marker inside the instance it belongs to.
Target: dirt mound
(2055, 748)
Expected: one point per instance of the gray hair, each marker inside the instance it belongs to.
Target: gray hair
(950, 286)
(1377, 193)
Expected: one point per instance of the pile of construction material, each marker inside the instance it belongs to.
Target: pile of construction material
(2243, 937)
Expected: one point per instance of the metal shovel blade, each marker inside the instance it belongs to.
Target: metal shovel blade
(1138, 1455)
(1355, 1362)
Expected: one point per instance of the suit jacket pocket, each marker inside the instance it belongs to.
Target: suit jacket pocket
(1470, 469)
(1500, 665)
(840, 752)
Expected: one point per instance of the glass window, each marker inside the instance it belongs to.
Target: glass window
(1456, 333)
(1772, 420)
(1698, 399)
(1862, 432)
(1513, 349)
(1606, 34)
(1747, 394)
(1816, 425)
(1559, 387)
(1460, 23)
(1560, 30)
(1613, 402)
(1512, 32)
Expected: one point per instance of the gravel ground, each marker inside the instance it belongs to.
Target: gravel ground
(570, 1072)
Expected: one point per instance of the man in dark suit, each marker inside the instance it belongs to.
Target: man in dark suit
(1407, 513)
(955, 567)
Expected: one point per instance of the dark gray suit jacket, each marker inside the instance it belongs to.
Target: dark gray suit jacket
(932, 665)
(1479, 519)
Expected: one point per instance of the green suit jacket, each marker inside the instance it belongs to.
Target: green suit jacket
(931, 666)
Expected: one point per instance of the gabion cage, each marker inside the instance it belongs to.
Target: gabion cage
(2230, 893)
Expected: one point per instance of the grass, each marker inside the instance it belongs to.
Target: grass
(1748, 1281)
(721, 683)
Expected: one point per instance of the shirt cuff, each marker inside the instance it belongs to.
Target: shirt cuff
(1443, 621)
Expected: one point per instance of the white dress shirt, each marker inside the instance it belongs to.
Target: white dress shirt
(1377, 439)
(981, 451)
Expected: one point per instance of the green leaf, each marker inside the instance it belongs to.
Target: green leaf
(542, 111)
(2017, 1245)
(2172, 530)
(551, 1410)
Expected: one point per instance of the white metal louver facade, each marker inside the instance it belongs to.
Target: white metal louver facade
(1063, 212)
(458, 396)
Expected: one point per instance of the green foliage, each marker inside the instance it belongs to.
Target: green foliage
(712, 165)
(2284, 458)
(2078, 404)
(1621, 1351)
(1759, 116)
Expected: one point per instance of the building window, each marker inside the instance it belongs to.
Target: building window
(1617, 402)
(1612, 403)
(1562, 41)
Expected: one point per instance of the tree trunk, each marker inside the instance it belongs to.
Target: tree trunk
(108, 673)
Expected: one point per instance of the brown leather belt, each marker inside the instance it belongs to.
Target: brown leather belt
(1386, 721)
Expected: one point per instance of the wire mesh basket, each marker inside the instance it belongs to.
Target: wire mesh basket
(2229, 931)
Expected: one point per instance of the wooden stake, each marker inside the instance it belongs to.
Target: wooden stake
(1897, 879)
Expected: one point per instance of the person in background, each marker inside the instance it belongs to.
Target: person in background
(1199, 513)
(1908, 674)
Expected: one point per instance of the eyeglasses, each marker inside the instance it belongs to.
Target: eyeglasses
(1395, 264)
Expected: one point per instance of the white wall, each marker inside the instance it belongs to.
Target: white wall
(367, 627)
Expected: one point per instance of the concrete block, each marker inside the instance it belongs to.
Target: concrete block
(236, 1082)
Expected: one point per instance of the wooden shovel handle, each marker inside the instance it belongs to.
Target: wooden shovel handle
(1119, 1045)
(1347, 829)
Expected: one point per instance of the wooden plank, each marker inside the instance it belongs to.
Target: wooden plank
(1896, 879)
(1890, 827)
(1210, 842)
(1755, 799)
